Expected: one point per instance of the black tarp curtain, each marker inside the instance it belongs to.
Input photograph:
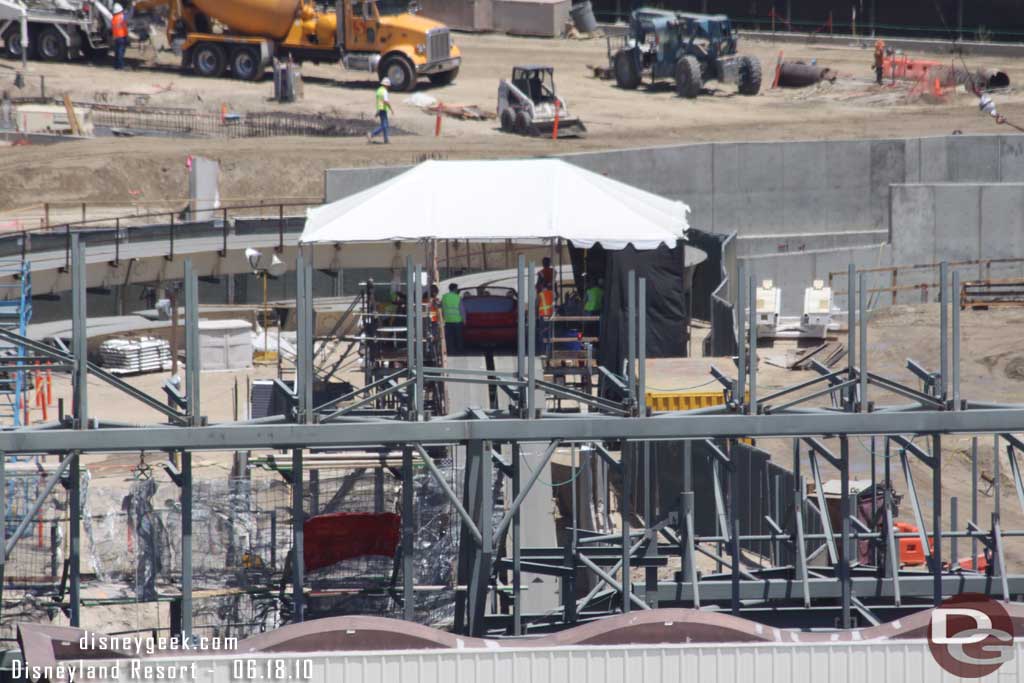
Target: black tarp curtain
(667, 303)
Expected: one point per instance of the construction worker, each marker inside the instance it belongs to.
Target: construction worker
(546, 273)
(119, 32)
(383, 108)
(545, 309)
(594, 298)
(593, 303)
(451, 311)
(879, 59)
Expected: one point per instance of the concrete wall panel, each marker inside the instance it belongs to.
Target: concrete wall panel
(933, 159)
(848, 180)
(973, 158)
(1011, 158)
(957, 218)
(1001, 233)
(888, 165)
(913, 224)
(805, 193)
(342, 182)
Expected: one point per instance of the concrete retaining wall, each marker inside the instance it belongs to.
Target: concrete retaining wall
(958, 222)
(804, 207)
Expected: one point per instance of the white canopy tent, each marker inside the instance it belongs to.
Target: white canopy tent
(520, 199)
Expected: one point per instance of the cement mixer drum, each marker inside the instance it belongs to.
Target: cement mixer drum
(266, 18)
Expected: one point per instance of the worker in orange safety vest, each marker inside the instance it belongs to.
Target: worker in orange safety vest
(879, 59)
(119, 32)
(545, 309)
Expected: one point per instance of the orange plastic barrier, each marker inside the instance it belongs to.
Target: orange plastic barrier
(911, 552)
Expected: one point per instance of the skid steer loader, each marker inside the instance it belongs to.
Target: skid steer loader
(528, 104)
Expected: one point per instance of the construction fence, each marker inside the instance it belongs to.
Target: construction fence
(241, 541)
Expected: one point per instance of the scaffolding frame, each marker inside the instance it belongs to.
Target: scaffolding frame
(842, 590)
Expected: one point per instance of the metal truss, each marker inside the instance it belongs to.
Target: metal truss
(493, 558)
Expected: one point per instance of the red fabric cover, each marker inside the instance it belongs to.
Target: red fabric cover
(338, 536)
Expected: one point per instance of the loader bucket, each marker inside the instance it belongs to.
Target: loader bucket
(567, 128)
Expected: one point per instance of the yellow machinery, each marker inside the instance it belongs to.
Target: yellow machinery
(243, 36)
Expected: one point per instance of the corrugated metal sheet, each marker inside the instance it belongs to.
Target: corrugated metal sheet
(888, 661)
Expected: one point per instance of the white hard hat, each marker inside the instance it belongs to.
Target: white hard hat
(386, 82)
(118, 8)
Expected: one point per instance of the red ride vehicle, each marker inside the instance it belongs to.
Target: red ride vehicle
(490, 316)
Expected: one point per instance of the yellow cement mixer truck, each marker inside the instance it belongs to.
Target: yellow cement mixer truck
(243, 36)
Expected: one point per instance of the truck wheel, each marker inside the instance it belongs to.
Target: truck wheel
(508, 120)
(749, 80)
(12, 42)
(444, 78)
(688, 80)
(245, 64)
(627, 76)
(208, 59)
(51, 45)
(401, 72)
(523, 123)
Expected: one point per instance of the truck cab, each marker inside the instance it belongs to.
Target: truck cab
(386, 37)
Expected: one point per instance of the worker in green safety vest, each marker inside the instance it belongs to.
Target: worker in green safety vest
(593, 303)
(451, 311)
(594, 299)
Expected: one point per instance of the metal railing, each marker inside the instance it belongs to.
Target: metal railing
(894, 272)
(167, 225)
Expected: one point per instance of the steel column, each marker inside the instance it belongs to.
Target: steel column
(481, 573)
(517, 574)
(944, 330)
(974, 500)
(851, 331)
(752, 372)
(625, 506)
(739, 394)
(186, 542)
(862, 291)
(531, 351)
(408, 535)
(79, 334)
(193, 363)
(75, 539)
(937, 516)
(298, 548)
(844, 511)
(956, 339)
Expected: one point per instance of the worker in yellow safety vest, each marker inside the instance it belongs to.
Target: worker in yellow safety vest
(383, 109)
(451, 311)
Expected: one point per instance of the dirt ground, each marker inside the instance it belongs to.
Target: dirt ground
(150, 169)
